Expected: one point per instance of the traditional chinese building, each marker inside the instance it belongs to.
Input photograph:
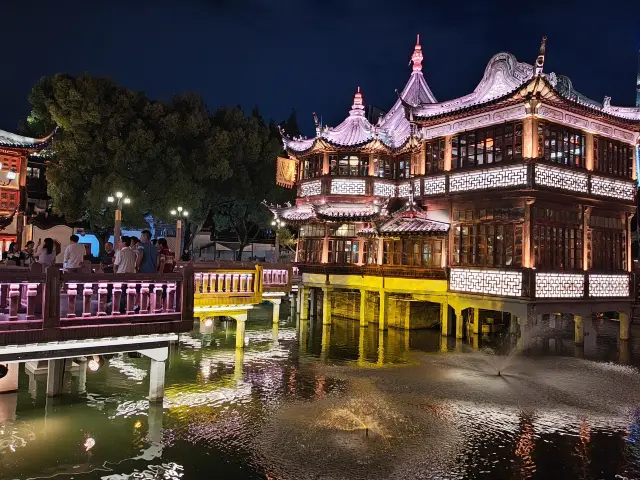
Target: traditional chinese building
(516, 198)
(14, 154)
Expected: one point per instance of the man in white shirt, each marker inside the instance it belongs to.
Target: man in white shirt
(74, 255)
(125, 259)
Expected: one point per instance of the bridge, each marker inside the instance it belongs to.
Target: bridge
(47, 317)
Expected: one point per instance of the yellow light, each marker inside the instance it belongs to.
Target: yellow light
(138, 424)
(119, 194)
(173, 212)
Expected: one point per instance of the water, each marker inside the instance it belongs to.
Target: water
(338, 402)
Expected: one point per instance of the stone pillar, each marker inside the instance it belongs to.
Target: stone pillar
(238, 366)
(624, 325)
(293, 298)
(275, 333)
(154, 418)
(304, 335)
(381, 347)
(55, 377)
(625, 352)
(445, 325)
(475, 319)
(156, 381)
(579, 330)
(459, 324)
(313, 302)
(82, 375)
(326, 306)
(326, 341)
(384, 308)
(241, 320)
(362, 352)
(444, 344)
(304, 303)
(363, 307)
(276, 309)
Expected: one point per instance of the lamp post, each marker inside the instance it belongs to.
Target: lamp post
(180, 213)
(278, 224)
(119, 199)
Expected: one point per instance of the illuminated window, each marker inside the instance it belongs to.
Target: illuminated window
(343, 251)
(485, 146)
(434, 156)
(608, 252)
(350, 165)
(612, 157)
(558, 239)
(413, 252)
(384, 166)
(312, 166)
(370, 252)
(404, 166)
(560, 144)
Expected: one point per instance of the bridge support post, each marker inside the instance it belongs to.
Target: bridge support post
(624, 325)
(156, 372)
(276, 309)
(55, 377)
(326, 306)
(459, 324)
(445, 321)
(313, 302)
(326, 341)
(304, 303)
(475, 320)
(82, 374)
(384, 309)
(241, 321)
(579, 330)
(363, 308)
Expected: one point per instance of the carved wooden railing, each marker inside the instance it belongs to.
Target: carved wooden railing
(38, 306)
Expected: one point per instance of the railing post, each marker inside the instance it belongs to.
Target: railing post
(187, 293)
(117, 296)
(51, 298)
(32, 295)
(258, 279)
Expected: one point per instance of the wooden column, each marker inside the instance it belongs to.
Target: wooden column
(527, 138)
(634, 169)
(588, 154)
(372, 171)
(628, 242)
(451, 236)
(528, 250)
(447, 152)
(380, 250)
(325, 164)
(325, 245)
(423, 158)
(585, 238)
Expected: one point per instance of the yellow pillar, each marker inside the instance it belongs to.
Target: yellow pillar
(579, 330)
(459, 324)
(362, 352)
(381, 347)
(363, 308)
(624, 326)
(326, 341)
(326, 306)
(384, 307)
(276, 309)
(304, 335)
(444, 344)
(304, 303)
(241, 321)
(475, 318)
(447, 152)
(444, 319)
(238, 364)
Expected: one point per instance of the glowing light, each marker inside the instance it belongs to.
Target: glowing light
(93, 365)
(185, 213)
(489, 178)
(110, 199)
(138, 424)
(119, 194)
(89, 444)
(11, 175)
(607, 187)
(179, 209)
(208, 322)
(173, 212)
(609, 285)
(492, 282)
(560, 178)
(127, 201)
(311, 188)
(559, 285)
(348, 187)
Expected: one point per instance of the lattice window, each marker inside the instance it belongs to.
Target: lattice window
(434, 185)
(9, 163)
(404, 190)
(607, 187)
(8, 199)
(491, 282)
(416, 187)
(381, 189)
(559, 178)
(608, 285)
(311, 188)
(347, 187)
(559, 285)
(484, 179)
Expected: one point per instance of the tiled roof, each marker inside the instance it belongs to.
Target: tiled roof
(11, 140)
(411, 219)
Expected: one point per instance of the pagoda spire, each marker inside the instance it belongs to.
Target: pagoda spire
(417, 57)
(358, 106)
(540, 59)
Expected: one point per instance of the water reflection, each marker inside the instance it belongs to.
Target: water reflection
(306, 400)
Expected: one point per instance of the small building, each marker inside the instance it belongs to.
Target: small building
(516, 198)
(14, 154)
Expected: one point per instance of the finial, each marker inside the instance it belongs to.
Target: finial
(317, 123)
(417, 57)
(540, 59)
(358, 107)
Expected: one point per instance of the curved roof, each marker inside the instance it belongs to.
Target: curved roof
(11, 140)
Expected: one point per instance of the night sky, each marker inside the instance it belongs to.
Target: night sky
(309, 54)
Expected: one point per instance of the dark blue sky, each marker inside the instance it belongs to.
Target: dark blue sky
(309, 54)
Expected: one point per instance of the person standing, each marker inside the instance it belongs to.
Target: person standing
(125, 258)
(167, 257)
(147, 260)
(46, 254)
(106, 261)
(74, 255)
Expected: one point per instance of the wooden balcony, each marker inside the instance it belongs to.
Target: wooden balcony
(373, 270)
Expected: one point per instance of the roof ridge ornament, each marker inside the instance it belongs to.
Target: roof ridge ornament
(417, 56)
(541, 55)
(358, 106)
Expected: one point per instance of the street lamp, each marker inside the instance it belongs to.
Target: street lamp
(180, 213)
(278, 224)
(119, 199)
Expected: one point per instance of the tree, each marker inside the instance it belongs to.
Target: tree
(113, 138)
(252, 149)
(290, 125)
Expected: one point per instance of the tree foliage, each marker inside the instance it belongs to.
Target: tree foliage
(162, 154)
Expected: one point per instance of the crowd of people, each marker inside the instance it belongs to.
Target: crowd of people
(132, 255)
